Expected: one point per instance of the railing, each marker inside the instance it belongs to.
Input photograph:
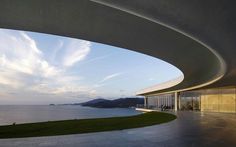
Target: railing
(163, 108)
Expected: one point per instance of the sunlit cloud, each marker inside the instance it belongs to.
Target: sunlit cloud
(76, 50)
(23, 66)
(36, 68)
(20, 57)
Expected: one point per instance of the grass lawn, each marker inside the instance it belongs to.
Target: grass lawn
(65, 127)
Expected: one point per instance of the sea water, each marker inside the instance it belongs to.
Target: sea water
(18, 114)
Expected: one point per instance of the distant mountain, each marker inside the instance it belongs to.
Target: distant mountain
(117, 103)
(94, 101)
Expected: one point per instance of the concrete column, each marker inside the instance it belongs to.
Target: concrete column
(164, 100)
(160, 101)
(176, 101)
(169, 104)
(145, 101)
(167, 101)
(156, 101)
(179, 101)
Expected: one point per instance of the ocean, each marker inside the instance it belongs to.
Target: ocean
(18, 114)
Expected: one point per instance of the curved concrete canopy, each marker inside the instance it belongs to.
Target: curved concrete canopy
(161, 86)
(196, 36)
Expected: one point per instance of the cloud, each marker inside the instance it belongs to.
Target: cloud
(151, 79)
(97, 58)
(23, 66)
(99, 85)
(109, 77)
(20, 59)
(76, 50)
(19, 54)
(27, 70)
(56, 50)
(103, 83)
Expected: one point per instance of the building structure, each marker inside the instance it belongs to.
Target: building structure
(222, 99)
(198, 37)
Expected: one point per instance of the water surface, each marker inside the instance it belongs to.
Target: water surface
(38, 113)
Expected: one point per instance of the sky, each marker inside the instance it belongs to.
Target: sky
(38, 68)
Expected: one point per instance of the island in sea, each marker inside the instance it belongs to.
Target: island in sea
(116, 103)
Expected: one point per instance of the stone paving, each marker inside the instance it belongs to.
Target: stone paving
(190, 129)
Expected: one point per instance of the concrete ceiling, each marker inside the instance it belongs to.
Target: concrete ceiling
(197, 36)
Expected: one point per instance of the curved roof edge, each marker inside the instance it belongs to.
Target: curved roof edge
(113, 23)
(162, 86)
(166, 86)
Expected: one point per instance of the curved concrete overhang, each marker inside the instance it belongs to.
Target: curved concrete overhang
(195, 36)
(161, 86)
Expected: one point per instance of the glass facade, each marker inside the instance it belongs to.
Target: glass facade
(161, 101)
(212, 100)
(190, 101)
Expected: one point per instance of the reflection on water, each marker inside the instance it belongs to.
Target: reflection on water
(26, 114)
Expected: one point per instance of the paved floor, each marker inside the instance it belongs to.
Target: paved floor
(189, 129)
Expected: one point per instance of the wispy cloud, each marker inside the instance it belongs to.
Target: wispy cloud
(102, 82)
(23, 66)
(34, 67)
(151, 79)
(99, 85)
(56, 50)
(19, 56)
(76, 50)
(97, 58)
(109, 77)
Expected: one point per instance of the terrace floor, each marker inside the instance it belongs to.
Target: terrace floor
(189, 129)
